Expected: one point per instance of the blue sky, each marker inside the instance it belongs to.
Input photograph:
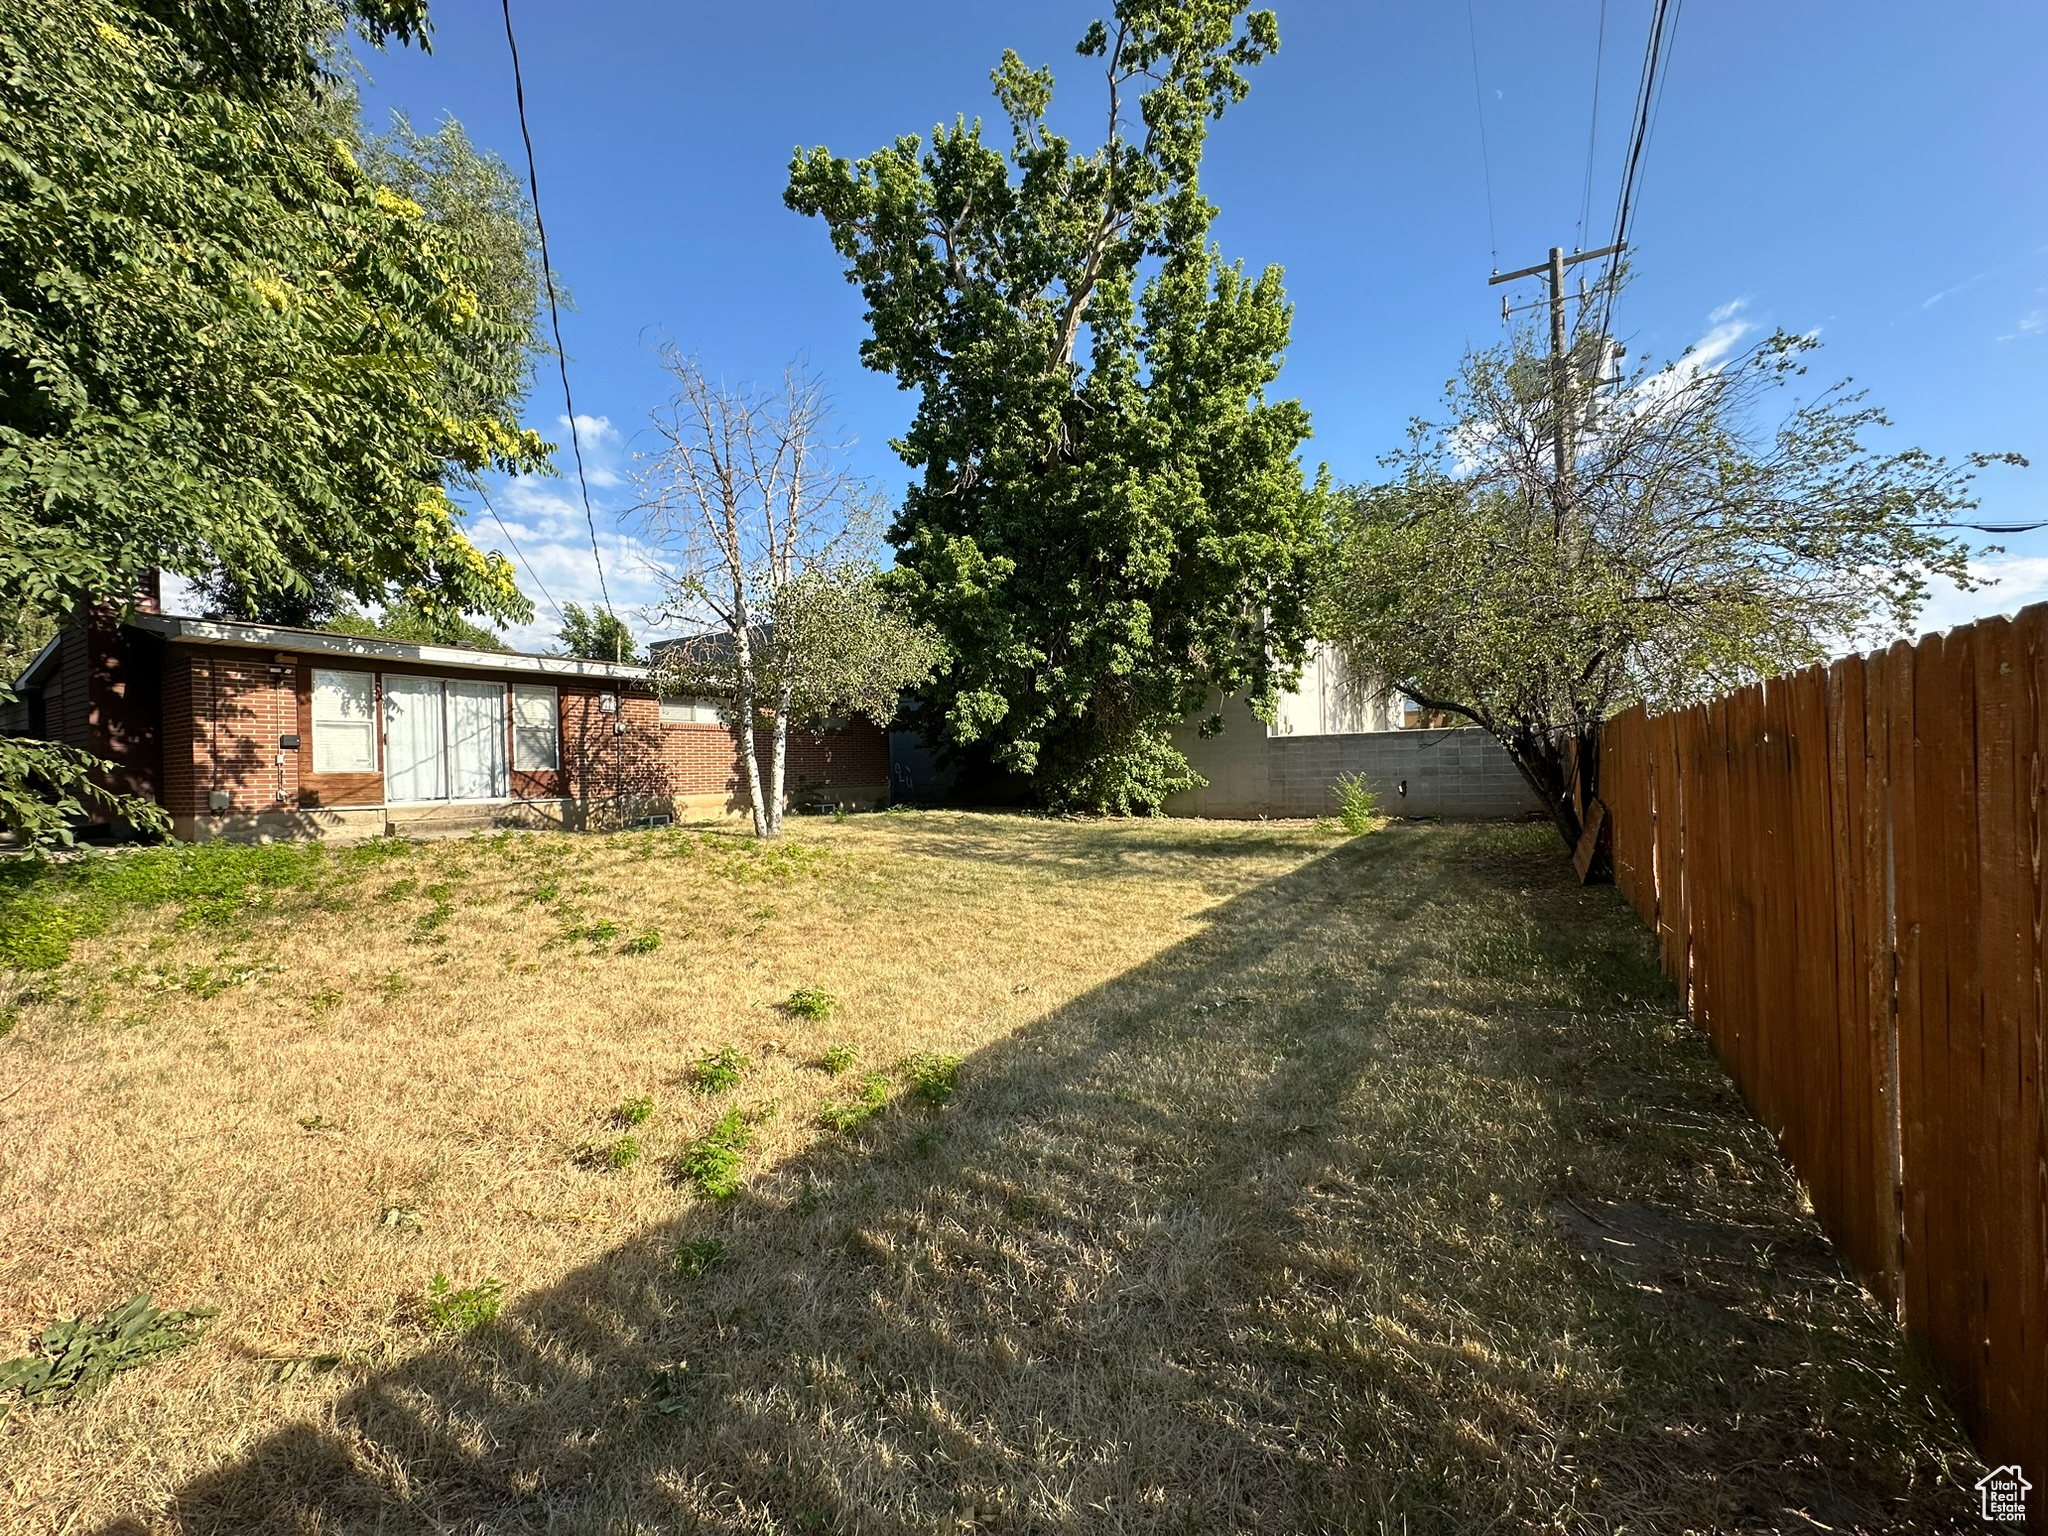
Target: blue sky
(1873, 172)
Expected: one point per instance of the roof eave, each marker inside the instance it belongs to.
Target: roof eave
(267, 637)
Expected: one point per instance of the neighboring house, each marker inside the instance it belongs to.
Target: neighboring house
(254, 731)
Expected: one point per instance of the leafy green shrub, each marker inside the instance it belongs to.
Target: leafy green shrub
(449, 1310)
(1358, 807)
(835, 1059)
(623, 1153)
(721, 1070)
(712, 1162)
(643, 943)
(74, 1359)
(932, 1077)
(692, 1256)
(809, 1003)
(636, 1111)
(870, 1102)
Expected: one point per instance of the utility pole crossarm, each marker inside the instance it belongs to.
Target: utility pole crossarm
(1542, 268)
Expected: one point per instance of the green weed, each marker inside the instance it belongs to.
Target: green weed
(74, 1359)
(721, 1070)
(711, 1163)
(603, 931)
(835, 1059)
(692, 1256)
(449, 1310)
(642, 943)
(1358, 807)
(809, 1003)
(637, 1111)
(398, 890)
(932, 1077)
(872, 1099)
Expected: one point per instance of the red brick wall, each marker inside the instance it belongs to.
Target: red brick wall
(652, 759)
(224, 710)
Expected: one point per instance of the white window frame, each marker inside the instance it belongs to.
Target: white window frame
(525, 731)
(330, 724)
(691, 712)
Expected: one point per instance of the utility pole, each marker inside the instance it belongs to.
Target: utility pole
(1552, 271)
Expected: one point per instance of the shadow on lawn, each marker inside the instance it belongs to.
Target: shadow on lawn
(1291, 1229)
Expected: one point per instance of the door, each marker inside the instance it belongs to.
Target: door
(414, 738)
(476, 741)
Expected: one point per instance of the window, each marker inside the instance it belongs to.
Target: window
(691, 712)
(444, 739)
(536, 730)
(344, 722)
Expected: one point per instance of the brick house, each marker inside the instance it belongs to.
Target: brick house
(256, 731)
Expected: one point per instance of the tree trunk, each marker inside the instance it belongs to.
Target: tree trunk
(743, 731)
(780, 757)
(1565, 775)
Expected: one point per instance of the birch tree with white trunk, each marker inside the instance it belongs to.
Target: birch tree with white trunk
(764, 549)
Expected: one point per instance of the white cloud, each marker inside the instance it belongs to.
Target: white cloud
(2033, 323)
(602, 446)
(1726, 312)
(1948, 293)
(2019, 580)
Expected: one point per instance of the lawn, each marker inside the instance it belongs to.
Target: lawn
(923, 1172)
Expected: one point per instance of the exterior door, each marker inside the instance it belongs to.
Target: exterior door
(414, 740)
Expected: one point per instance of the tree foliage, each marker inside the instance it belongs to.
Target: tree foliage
(595, 634)
(222, 342)
(1697, 541)
(417, 624)
(1109, 519)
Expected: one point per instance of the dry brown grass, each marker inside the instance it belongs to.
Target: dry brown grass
(1290, 1185)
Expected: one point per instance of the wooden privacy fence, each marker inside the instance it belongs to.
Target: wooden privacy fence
(1843, 868)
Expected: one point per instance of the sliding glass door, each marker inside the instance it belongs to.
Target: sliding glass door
(444, 739)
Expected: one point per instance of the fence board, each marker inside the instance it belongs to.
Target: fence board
(1844, 870)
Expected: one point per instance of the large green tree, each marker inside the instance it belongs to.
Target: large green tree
(1109, 519)
(223, 343)
(1706, 530)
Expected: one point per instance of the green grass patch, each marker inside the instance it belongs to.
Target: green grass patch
(644, 943)
(634, 1111)
(692, 1256)
(711, 1164)
(932, 1077)
(835, 1059)
(46, 908)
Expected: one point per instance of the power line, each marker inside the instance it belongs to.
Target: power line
(547, 269)
(1593, 133)
(1657, 52)
(1485, 156)
(523, 561)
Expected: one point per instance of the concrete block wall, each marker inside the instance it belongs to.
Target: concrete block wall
(1460, 774)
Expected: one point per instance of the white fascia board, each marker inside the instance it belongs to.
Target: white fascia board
(313, 642)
